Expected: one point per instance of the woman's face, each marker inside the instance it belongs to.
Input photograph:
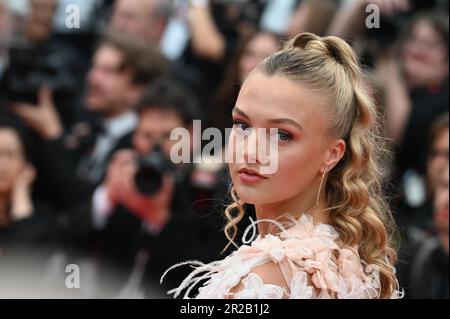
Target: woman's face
(260, 47)
(12, 160)
(425, 55)
(304, 145)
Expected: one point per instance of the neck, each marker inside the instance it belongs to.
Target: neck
(306, 202)
(114, 114)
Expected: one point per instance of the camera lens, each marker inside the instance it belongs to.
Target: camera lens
(148, 180)
(152, 167)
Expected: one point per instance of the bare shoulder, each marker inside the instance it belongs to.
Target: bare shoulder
(270, 274)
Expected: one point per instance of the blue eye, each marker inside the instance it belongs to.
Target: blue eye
(284, 137)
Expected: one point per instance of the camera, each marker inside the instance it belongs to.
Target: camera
(151, 170)
(30, 68)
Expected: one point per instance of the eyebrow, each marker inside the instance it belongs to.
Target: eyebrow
(274, 121)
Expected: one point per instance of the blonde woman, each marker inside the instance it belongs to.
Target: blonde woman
(324, 229)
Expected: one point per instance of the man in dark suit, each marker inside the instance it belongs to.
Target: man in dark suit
(148, 233)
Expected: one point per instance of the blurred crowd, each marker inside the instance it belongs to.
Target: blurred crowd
(90, 93)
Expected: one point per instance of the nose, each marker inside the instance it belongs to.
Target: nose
(90, 76)
(251, 147)
(5, 167)
(93, 76)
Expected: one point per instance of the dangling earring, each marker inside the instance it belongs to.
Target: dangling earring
(320, 186)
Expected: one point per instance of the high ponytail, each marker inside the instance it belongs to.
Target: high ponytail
(353, 188)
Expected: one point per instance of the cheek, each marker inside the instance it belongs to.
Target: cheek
(442, 206)
(430, 62)
(233, 169)
(296, 171)
(141, 144)
(433, 166)
(142, 26)
(436, 165)
(15, 168)
(117, 86)
(8, 176)
(442, 197)
(111, 84)
(168, 145)
(231, 150)
(131, 27)
(105, 86)
(437, 57)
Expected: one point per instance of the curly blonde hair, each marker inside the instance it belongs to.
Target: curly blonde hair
(353, 188)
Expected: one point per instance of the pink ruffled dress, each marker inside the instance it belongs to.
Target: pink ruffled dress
(302, 251)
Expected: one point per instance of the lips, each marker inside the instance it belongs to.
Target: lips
(418, 57)
(250, 176)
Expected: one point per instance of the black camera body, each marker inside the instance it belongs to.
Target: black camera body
(31, 67)
(151, 170)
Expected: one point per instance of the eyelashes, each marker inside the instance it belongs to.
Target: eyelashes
(241, 126)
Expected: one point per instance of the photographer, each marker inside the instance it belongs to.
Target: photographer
(72, 164)
(164, 224)
(36, 58)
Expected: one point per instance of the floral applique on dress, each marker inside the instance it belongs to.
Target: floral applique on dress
(310, 259)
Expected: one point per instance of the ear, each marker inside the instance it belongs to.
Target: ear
(333, 155)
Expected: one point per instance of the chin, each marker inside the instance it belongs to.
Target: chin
(253, 195)
(93, 105)
(5, 189)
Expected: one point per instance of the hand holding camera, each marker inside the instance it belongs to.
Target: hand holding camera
(134, 183)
